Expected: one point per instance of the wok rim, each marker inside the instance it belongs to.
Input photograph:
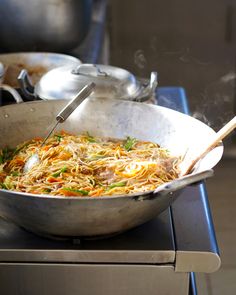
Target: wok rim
(58, 197)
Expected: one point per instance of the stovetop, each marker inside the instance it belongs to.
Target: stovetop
(183, 235)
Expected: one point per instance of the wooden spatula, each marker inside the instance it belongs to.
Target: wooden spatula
(220, 135)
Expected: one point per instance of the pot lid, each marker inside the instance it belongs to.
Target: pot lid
(65, 82)
(1, 70)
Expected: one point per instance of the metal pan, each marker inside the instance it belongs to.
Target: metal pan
(91, 216)
(36, 63)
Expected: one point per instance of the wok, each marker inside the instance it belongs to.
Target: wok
(98, 216)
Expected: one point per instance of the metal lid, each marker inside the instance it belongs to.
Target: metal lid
(65, 82)
(1, 70)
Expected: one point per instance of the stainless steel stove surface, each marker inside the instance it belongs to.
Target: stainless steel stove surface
(155, 258)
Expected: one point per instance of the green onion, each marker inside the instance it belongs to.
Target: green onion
(59, 137)
(16, 151)
(117, 184)
(80, 191)
(129, 143)
(90, 138)
(15, 173)
(64, 169)
(6, 154)
(47, 190)
(2, 185)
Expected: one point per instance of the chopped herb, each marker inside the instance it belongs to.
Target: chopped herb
(64, 169)
(47, 190)
(16, 151)
(15, 173)
(129, 143)
(79, 191)
(90, 138)
(2, 185)
(117, 184)
(56, 174)
(6, 154)
(59, 137)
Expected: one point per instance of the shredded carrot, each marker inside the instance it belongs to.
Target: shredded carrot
(54, 179)
(46, 148)
(38, 139)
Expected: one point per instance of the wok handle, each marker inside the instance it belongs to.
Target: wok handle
(148, 90)
(183, 182)
(12, 91)
(26, 86)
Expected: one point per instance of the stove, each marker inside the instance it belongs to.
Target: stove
(159, 257)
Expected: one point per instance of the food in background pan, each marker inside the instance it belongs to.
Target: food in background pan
(12, 72)
(85, 165)
(36, 63)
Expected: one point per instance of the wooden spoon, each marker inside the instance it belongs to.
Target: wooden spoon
(221, 134)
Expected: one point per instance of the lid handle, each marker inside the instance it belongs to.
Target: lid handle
(90, 70)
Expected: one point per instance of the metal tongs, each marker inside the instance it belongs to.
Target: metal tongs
(60, 118)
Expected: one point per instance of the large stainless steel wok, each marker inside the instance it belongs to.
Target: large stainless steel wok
(91, 216)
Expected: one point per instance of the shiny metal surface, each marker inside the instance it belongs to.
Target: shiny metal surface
(51, 25)
(90, 279)
(68, 217)
(152, 242)
(198, 253)
(15, 94)
(65, 82)
(1, 72)
(88, 216)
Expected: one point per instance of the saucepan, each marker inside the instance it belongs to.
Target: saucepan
(57, 216)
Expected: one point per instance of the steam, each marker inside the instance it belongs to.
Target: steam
(216, 104)
(139, 59)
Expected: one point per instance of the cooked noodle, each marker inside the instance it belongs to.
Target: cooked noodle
(87, 166)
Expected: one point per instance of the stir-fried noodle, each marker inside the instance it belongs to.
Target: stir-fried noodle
(87, 166)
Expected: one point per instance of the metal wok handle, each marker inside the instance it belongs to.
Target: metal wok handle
(12, 91)
(26, 86)
(8, 88)
(148, 90)
(183, 182)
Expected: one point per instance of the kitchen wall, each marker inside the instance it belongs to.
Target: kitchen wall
(190, 43)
